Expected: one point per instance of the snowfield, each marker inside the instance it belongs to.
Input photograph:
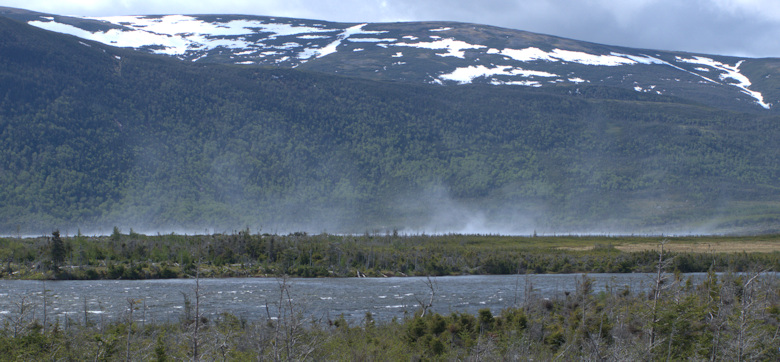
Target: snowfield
(290, 42)
(467, 74)
(730, 72)
(454, 48)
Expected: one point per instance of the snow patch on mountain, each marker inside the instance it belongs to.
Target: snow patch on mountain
(122, 38)
(524, 55)
(309, 36)
(372, 40)
(535, 54)
(646, 90)
(332, 47)
(454, 48)
(643, 59)
(526, 83)
(177, 34)
(286, 46)
(290, 42)
(684, 70)
(590, 59)
(729, 72)
(468, 74)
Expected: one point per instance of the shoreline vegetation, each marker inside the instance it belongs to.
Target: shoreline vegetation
(244, 254)
(730, 316)
(726, 317)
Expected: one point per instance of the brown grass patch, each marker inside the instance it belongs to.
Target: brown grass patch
(702, 247)
(709, 247)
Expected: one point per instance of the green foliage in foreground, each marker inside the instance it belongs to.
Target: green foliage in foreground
(730, 318)
(242, 254)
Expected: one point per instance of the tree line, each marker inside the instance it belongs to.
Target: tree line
(244, 254)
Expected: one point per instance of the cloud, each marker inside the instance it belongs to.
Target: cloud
(767, 10)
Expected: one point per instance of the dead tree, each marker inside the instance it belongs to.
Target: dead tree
(660, 284)
(432, 288)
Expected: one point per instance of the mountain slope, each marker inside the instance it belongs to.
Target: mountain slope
(94, 136)
(432, 52)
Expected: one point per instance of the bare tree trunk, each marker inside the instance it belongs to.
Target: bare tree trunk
(746, 306)
(669, 347)
(281, 319)
(659, 281)
(86, 311)
(44, 306)
(18, 322)
(130, 306)
(195, 352)
(424, 306)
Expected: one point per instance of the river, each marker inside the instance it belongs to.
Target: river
(319, 299)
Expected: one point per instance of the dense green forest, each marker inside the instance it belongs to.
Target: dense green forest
(93, 136)
(727, 317)
(243, 254)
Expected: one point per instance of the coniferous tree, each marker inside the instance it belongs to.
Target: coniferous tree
(57, 250)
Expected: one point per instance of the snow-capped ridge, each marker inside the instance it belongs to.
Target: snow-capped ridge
(437, 53)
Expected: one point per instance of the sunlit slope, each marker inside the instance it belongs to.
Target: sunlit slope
(95, 136)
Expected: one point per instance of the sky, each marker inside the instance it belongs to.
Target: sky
(745, 28)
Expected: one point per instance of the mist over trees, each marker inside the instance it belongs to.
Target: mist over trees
(94, 137)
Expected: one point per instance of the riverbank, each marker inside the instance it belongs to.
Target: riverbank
(242, 254)
(721, 317)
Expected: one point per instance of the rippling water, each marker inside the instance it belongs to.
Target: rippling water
(321, 299)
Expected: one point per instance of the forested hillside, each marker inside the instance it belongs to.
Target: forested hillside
(93, 137)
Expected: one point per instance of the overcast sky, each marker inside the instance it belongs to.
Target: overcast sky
(729, 27)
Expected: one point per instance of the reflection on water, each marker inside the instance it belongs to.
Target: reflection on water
(321, 299)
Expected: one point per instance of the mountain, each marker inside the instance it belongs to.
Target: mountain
(94, 136)
(431, 52)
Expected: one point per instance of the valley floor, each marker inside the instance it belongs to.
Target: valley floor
(242, 254)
